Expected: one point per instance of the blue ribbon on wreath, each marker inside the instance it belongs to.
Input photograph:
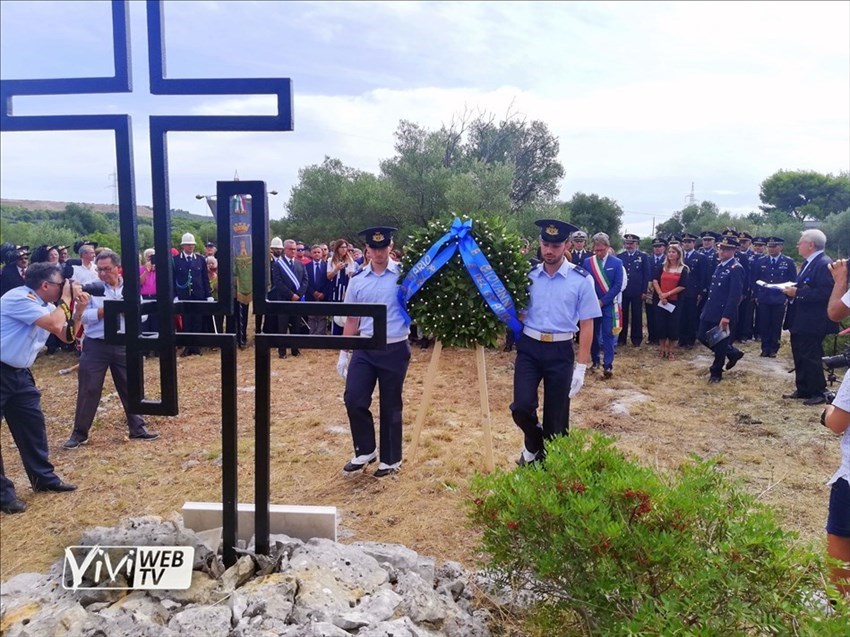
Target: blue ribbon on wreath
(459, 237)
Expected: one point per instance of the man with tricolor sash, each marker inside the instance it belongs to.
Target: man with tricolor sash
(561, 300)
(607, 271)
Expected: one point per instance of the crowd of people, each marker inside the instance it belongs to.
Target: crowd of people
(735, 288)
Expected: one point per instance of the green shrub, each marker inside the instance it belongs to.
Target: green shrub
(607, 546)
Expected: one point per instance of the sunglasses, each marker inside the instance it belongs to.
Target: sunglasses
(299, 249)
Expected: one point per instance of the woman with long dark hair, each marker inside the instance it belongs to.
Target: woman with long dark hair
(670, 281)
(341, 267)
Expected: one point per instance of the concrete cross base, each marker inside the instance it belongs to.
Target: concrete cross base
(297, 521)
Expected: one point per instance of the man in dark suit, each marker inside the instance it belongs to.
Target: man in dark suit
(695, 291)
(721, 309)
(317, 288)
(639, 276)
(289, 283)
(191, 283)
(15, 260)
(807, 318)
(607, 271)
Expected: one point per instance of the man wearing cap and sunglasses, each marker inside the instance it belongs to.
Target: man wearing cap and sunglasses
(562, 300)
(775, 267)
(191, 283)
(639, 273)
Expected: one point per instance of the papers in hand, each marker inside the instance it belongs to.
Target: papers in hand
(715, 335)
(776, 286)
(669, 306)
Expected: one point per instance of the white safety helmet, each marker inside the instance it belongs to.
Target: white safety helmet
(188, 239)
(276, 243)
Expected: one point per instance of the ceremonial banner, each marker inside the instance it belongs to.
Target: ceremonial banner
(240, 242)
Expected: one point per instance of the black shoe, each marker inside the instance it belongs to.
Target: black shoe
(607, 373)
(425, 343)
(508, 348)
(714, 379)
(281, 353)
(795, 395)
(815, 400)
(145, 435)
(296, 352)
(56, 487)
(185, 352)
(764, 354)
(382, 473)
(352, 467)
(522, 462)
(242, 345)
(772, 355)
(15, 506)
(734, 357)
(74, 443)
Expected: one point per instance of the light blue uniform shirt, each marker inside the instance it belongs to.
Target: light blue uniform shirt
(368, 287)
(95, 326)
(20, 337)
(557, 303)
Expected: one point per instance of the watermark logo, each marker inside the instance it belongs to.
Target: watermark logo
(144, 568)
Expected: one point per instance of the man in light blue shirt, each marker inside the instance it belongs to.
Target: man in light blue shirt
(27, 317)
(562, 300)
(98, 356)
(376, 283)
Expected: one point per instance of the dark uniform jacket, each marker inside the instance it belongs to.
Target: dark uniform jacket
(639, 270)
(10, 278)
(191, 281)
(577, 257)
(807, 313)
(725, 291)
(700, 278)
(764, 269)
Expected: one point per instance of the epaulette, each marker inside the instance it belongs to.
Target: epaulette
(31, 296)
(361, 271)
(580, 270)
(735, 264)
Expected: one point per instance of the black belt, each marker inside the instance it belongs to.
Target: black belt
(14, 369)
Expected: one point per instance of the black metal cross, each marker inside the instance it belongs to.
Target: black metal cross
(166, 340)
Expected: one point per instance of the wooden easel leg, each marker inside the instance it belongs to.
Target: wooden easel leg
(430, 375)
(485, 407)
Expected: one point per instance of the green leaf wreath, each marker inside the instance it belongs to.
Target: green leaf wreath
(449, 306)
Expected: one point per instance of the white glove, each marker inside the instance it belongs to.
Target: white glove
(578, 379)
(176, 299)
(342, 364)
(210, 299)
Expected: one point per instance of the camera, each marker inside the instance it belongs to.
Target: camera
(94, 288)
(838, 361)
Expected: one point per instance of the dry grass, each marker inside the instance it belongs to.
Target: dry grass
(660, 411)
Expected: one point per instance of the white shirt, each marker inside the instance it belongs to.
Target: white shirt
(842, 401)
(83, 274)
(846, 298)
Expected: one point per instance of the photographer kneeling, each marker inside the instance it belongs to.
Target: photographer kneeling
(837, 418)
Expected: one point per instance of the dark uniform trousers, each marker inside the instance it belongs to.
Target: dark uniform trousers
(770, 318)
(690, 321)
(553, 364)
(237, 323)
(722, 349)
(97, 357)
(632, 307)
(20, 405)
(745, 319)
(388, 369)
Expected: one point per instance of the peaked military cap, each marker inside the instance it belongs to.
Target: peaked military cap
(745, 235)
(708, 234)
(658, 241)
(729, 232)
(689, 236)
(676, 238)
(759, 241)
(631, 237)
(729, 242)
(555, 230)
(775, 241)
(579, 235)
(377, 237)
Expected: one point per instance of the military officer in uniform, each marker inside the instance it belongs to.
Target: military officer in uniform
(695, 291)
(639, 276)
(745, 310)
(28, 315)
(376, 283)
(721, 308)
(656, 262)
(562, 299)
(191, 283)
(773, 268)
(579, 250)
(759, 246)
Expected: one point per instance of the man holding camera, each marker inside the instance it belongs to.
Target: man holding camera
(28, 315)
(838, 307)
(98, 356)
(807, 318)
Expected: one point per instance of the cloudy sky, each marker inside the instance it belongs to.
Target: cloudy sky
(645, 98)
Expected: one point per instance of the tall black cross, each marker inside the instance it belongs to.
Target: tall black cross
(166, 340)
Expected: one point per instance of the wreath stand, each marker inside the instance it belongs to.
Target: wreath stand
(430, 376)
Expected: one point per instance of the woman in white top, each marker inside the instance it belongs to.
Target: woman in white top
(341, 266)
(837, 418)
